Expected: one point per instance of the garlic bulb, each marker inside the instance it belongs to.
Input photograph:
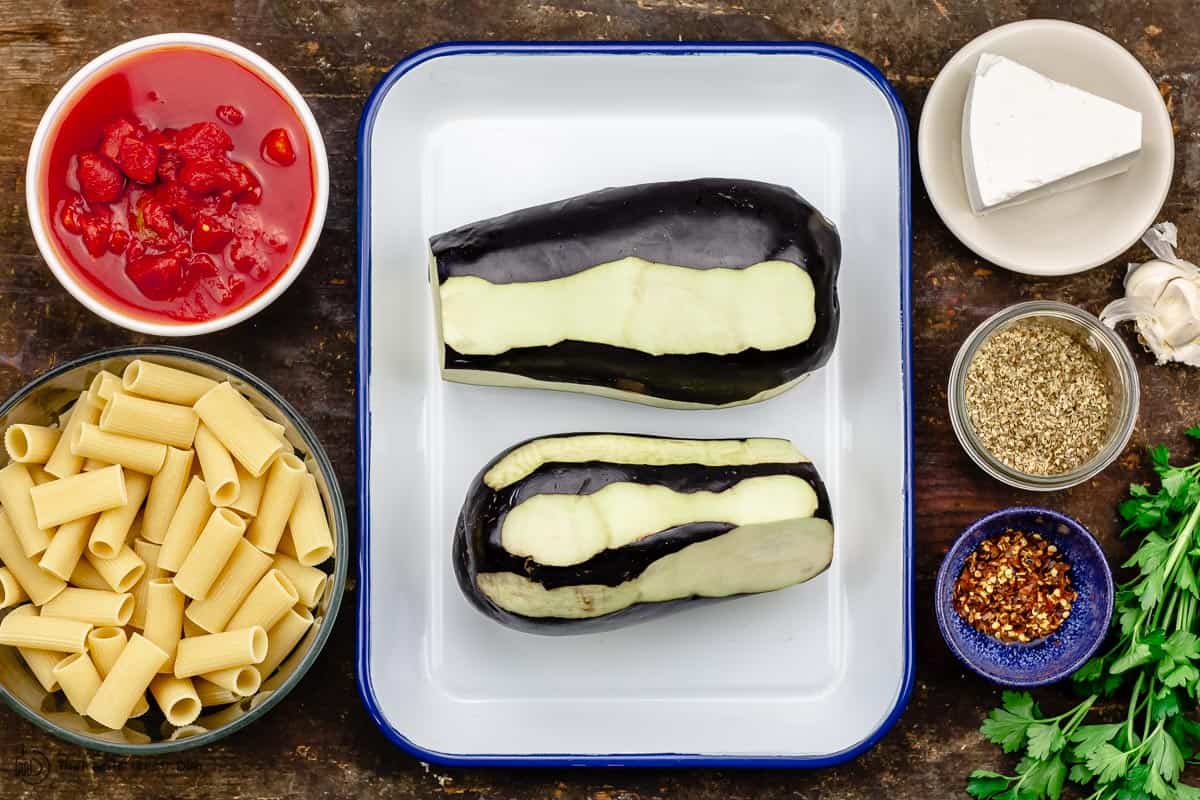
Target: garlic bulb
(1163, 297)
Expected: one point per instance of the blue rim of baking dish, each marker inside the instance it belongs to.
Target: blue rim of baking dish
(365, 130)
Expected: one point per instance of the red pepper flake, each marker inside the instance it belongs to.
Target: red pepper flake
(1015, 587)
(230, 115)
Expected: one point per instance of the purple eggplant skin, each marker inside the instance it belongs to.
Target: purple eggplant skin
(477, 549)
(701, 224)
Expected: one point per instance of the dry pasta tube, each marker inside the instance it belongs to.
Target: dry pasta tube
(112, 528)
(166, 490)
(47, 633)
(138, 455)
(217, 467)
(62, 462)
(40, 585)
(213, 695)
(241, 681)
(309, 581)
(177, 698)
(103, 387)
(150, 419)
(15, 486)
(147, 552)
(129, 679)
(77, 676)
(66, 547)
(91, 605)
(121, 572)
(186, 523)
(85, 577)
(208, 556)
(105, 646)
(271, 598)
(250, 492)
(164, 618)
(93, 464)
(158, 382)
(11, 593)
(238, 426)
(244, 569)
(40, 662)
(283, 638)
(31, 444)
(198, 655)
(312, 539)
(284, 482)
(81, 495)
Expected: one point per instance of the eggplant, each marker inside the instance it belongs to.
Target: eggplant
(690, 294)
(585, 532)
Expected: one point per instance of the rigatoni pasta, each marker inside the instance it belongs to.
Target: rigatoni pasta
(267, 602)
(138, 455)
(129, 679)
(11, 593)
(102, 388)
(193, 511)
(40, 585)
(311, 538)
(166, 491)
(15, 487)
(112, 528)
(242, 681)
(46, 633)
(62, 462)
(216, 464)
(242, 572)
(208, 555)
(234, 422)
(122, 571)
(79, 495)
(284, 481)
(164, 618)
(91, 605)
(164, 383)
(30, 444)
(66, 547)
(156, 421)
(309, 581)
(198, 655)
(77, 676)
(177, 698)
(146, 589)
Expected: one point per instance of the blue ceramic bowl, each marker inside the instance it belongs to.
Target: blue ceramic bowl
(1061, 653)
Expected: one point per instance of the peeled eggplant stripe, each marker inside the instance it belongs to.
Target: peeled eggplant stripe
(634, 452)
(699, 225)
(611, 567)
(726, 565)
(635, 304)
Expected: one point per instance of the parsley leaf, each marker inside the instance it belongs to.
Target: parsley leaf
(1009, 725)
(1165, 758)
(984, 784)
(1107, 762)
(1088, 737)
(1044, 740)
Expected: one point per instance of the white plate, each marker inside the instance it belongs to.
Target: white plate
(1068, 232)
(806, 676)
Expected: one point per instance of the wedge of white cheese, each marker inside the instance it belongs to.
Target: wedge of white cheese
(1026, 136)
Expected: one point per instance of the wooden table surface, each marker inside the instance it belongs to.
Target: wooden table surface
(320, 742)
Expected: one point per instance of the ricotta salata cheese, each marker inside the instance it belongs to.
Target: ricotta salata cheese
(1026, 136)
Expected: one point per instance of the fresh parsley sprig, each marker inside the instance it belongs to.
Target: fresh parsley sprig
(1154, 657)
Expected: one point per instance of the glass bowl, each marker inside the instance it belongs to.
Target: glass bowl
(51, 392)
(1114, 358)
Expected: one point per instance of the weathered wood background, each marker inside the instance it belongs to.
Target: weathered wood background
(320, 742)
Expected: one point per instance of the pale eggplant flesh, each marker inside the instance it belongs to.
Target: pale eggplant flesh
(688, 294)
(589, 532)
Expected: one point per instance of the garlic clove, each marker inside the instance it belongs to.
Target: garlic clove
(1150, 279)
(1178, 312)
